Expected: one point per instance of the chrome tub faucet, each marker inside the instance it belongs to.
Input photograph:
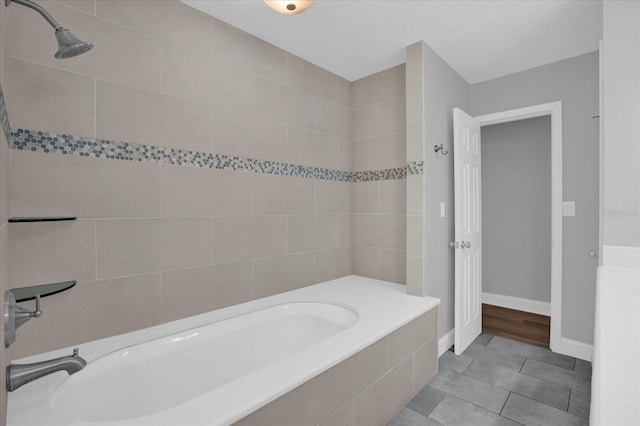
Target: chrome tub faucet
(21, 374)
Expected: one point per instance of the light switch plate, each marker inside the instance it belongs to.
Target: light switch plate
(569, 208)
(442, 210)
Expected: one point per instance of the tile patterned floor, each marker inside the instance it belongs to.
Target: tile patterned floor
(498, 381)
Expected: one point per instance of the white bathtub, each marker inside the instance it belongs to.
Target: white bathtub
(217, 367)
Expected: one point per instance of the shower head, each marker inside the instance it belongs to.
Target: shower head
(68, 44)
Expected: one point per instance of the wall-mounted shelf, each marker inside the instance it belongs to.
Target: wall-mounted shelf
(41, 219)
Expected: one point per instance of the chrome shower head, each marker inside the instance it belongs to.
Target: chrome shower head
(68, 44)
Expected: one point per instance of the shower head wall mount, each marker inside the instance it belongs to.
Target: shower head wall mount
(68, 44)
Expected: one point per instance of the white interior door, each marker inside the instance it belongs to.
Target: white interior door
(468, 229)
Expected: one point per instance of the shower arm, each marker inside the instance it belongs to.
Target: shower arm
(37, 8)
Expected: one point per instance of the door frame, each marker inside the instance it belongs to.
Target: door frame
(553, 109)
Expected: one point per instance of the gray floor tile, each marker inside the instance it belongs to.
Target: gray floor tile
(531, 351)
(426, 400)
(471, 390)
(557, 375)
(408, 417)
(583, 367)
(483, 338)
(487, 353)
(579, 404)
(533, 413)
(454, 362)
(539, 390)
(453, 411)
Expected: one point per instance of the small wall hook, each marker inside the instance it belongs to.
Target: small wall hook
(440, 147)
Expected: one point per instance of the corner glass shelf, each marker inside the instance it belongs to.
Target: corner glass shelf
(41, 219)
(29, 293)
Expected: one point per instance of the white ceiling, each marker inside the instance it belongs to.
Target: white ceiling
(481, 39)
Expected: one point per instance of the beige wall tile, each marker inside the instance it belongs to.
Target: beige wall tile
(345, 230)
(384, 152)
(378, 404)
(366, 261)
(273, 275)
(35, 95)
(415, 231)
(415, 195)
(329, 391)
(4, 180)
(119, 189)
(289, 409)
(244, 51)
(90, 311)
(345, 155)
(236, 133)
(333, 263)
(274, 194)
(415, 141)
(332, 118)
(108, 60)
(193, 191)
(301, 233)
(134, 115)
(414, 62)
(425, 364)
(369, 365)
(42, 253)
(392, 116)
(332, 197)
(388, 231)
(245, 237)
(342, 417)
(415, 285)
(88, 6)
(393, 265)
(415, 99)
(136, 246)
(410, 337)
(283, 104)
(365, 197)
(366, 122)
(327, 231)
(170, 21)
(310, 78)
(189, 76)
(379, 87)
(188, 292)
(45, 184)
(312, 148)
(393, 196)
(344, 92)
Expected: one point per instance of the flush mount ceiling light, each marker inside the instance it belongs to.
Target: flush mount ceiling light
(289, 7)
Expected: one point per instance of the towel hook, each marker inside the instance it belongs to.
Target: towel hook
(440, 147)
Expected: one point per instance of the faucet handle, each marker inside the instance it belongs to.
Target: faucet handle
(37, 313)
(76, 351)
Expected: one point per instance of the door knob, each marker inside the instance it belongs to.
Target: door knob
(454, 244)
(466, 245)
(593, 254)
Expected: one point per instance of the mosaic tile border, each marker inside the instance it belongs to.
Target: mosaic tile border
(4, 118)
(53, 143)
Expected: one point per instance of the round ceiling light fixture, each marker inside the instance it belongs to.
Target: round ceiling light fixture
(289, 7)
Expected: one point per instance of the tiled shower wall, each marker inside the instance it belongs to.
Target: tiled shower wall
(157, 241)
(379, 207)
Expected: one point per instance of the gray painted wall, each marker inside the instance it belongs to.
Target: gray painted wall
(574, 82)
(621, 39)
(516, 209)
(444, 89)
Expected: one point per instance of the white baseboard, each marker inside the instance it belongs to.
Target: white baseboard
(445, 342)
(576, 349)
(526, 305)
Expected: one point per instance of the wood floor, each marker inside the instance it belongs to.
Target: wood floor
(517, 325)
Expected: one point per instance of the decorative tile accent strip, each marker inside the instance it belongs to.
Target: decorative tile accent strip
(4, 118)
(415, 168)
(37, 141)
